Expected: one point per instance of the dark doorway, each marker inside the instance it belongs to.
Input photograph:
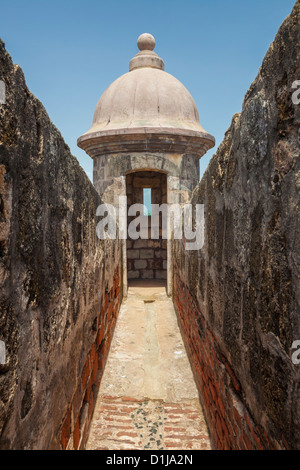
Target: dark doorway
(146, 258)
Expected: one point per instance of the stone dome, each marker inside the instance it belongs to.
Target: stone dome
(146, 102)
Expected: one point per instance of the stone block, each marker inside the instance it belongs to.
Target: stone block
(133, 274)
(154, 243)
(146, 253)
(160, 254)
(155, 263)
(130, 265)
(147, 274)
(160, 274)
(140, 264)
(129, 244)
(140, 243)
(133, 254)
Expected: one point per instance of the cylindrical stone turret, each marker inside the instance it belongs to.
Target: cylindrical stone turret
(147, 122)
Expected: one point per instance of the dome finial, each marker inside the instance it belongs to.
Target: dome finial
(146, 57)
(146, 42)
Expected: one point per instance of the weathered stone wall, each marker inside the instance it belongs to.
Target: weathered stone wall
(59, 284)
(238, 299)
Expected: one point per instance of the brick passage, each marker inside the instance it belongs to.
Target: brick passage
(148, 398)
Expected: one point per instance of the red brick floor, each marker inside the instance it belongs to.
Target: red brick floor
(129, 424)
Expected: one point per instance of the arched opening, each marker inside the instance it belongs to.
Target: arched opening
(146, 252)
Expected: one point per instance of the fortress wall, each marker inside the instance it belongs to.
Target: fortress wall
(59, 284)
(238, 298)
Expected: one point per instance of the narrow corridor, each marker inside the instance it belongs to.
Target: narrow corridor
(148, 398)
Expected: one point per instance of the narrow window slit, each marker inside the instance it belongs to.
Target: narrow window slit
(147, 201)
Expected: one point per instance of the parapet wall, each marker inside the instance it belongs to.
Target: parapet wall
(59, 284)
(238, 298)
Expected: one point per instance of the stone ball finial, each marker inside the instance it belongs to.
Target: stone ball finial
(146, 42)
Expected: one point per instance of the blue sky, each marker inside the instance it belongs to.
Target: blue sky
(71, 50)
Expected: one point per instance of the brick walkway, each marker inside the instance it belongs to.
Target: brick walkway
(148, 399)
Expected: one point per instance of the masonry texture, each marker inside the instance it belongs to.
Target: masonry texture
(60, 286)
(146, 257)
(238, 299)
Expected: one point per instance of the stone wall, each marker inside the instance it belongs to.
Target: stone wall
(238, 298)
(60, 285)
(146, 257)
